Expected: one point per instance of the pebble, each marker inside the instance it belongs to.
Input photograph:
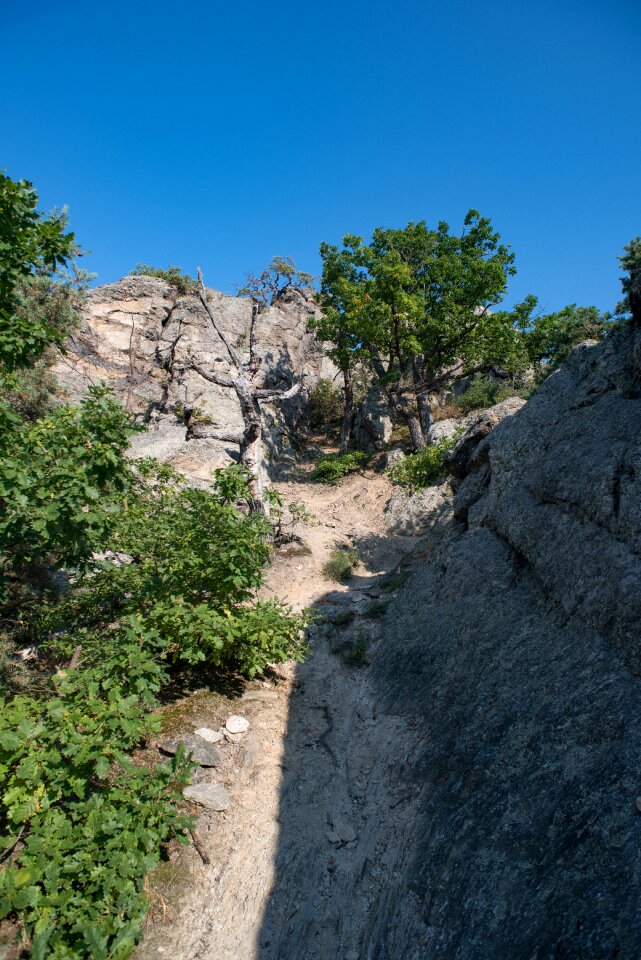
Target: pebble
(211, 736)
(233, 737)
(343, 830)
(638, 803)
(202, 753)
(211, 795)
(365, 711)
(236, 724)
(352, 955)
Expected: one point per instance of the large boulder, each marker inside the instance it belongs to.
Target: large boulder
(140, 336)
(476, 429)
(373, 424)
(515, 650)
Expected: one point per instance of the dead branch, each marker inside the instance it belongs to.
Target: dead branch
(202, 294)
(206, 433)
(219, 379)
(270, 395)
(198, 844)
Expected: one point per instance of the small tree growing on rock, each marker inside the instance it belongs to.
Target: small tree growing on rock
(417, 304)
(250, 396)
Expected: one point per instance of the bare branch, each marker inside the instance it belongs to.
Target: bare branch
(269, 395)
(252, 330)
(202, 294)
(204, 432)
(218, 379)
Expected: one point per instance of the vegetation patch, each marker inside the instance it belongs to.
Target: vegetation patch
(340, 565)
(335, 466)
(325, 404)
(483, 392)
(422, 469)
(172, 275)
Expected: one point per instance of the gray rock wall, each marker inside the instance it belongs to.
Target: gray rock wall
(139, 335)
(516, 652)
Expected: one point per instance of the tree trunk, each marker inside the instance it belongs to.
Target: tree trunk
(348, 410)
(425, 415)
(416, 431)
(406, 410)
(251, 446)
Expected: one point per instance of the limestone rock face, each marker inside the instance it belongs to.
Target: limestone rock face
(516, 651)
(140, 336)
(373, 423)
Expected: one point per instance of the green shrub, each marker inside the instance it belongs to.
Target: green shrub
(340, 565)
(422, 469)
(335, 466)
(199, 559)
(83, 824)
(172, 275)
(325, 404)
(483, 392)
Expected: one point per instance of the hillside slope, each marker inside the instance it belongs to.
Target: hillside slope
(466, 789)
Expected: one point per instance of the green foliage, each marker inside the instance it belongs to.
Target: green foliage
(334, 466)
(62, 479)
(340, 565)
(280, 275)
(83, 824)
(483, 392)
(30, 243)
(549, 338)
(87, 821)
(172, 275)
(631, 283)
(414, 302)
(423, 468)
(325, 405)
(198, 560)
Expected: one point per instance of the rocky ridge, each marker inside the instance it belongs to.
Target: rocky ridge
(142, 337)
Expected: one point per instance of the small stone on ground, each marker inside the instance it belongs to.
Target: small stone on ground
(211, 795)
(202, 753)
(211, 736)
(236, 724)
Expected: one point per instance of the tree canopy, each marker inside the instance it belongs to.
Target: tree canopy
(30, 243)
(417, 302)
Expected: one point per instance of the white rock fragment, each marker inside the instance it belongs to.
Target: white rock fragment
(211, 795)
(236, 724)
(211, 736)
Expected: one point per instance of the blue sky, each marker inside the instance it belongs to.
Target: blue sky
(223, 133)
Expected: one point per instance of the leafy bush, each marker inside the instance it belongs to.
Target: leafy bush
(197, 561)
(172, 275)
(340, 565)
(32, 245)
(423, 468)
(335, 466)
(484, 392)
(325, 405)
(83, 824)
(62, 480)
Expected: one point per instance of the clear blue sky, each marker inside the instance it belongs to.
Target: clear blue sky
(224, 133)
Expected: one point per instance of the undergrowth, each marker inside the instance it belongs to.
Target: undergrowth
(423, 468)
(340, 565)
(334, 466)
(483, 392)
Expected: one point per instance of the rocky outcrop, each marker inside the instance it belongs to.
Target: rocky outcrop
(516, 652)
(373, 423)
(142, 337)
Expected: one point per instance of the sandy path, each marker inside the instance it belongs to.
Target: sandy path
(318, 816)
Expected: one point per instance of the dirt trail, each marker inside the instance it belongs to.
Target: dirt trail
(318, 817)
